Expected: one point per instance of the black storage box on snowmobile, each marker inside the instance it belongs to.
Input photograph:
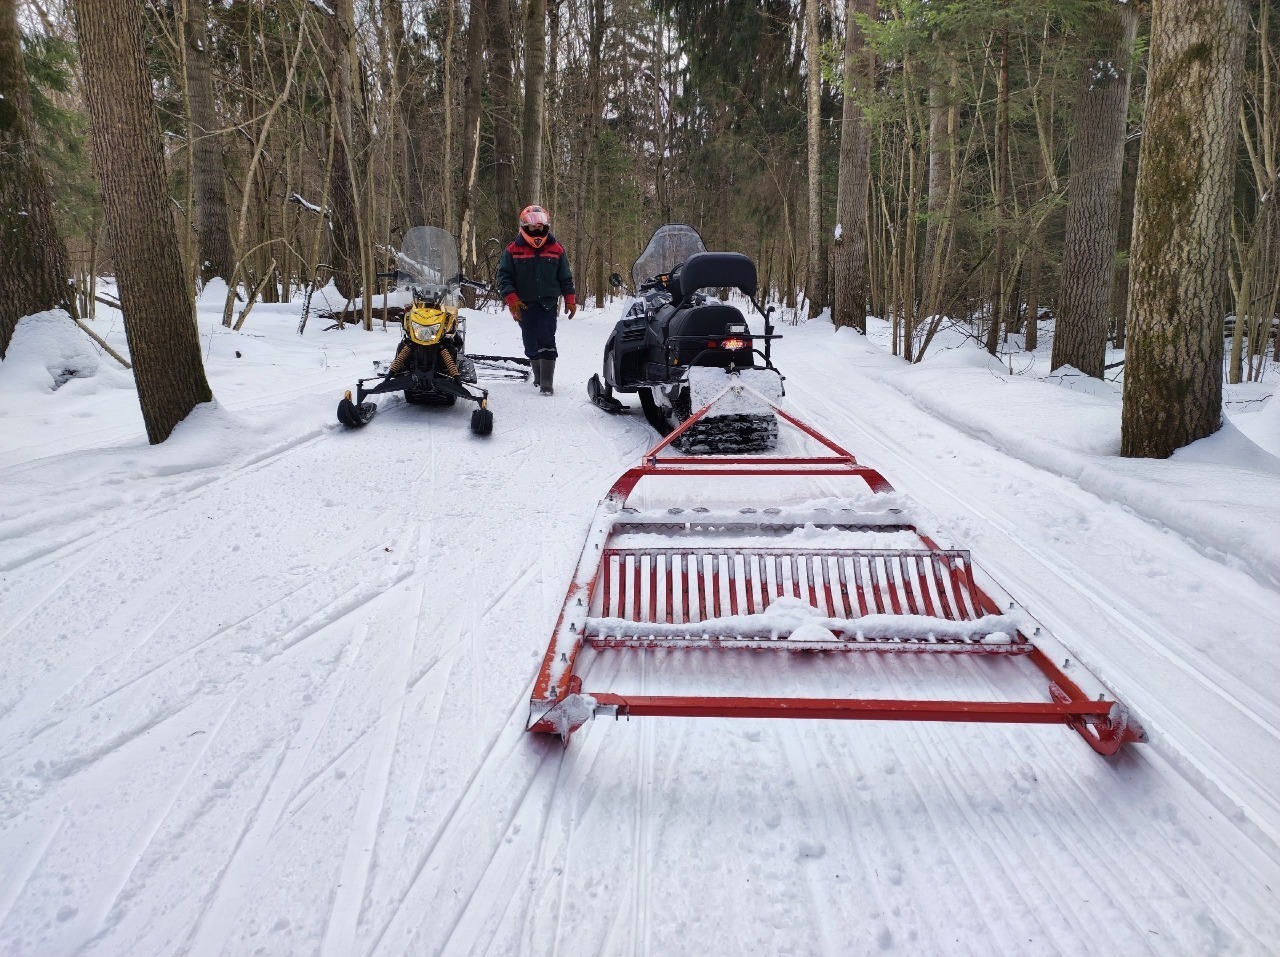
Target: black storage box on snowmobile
(693, 331)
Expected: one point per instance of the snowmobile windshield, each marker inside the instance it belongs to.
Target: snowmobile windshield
(429, 257)
(668, 248)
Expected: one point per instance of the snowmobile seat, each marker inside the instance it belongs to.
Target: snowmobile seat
(703, 270)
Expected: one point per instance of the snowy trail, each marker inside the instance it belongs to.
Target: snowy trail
(278, 706)
(1180, 679)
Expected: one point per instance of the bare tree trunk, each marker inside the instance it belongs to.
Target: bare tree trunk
(943, 120)
(595, 54)
(412, 122)
(446, 125)
(1034, 259)
(660, 125)
(1256, 232)
(1093, 220)
(213, 230)
(1002, 197)
(1120, 294)
(473, 103)
(535, 80)
(154, 291)
(33, 260)
(850, 300)
(502, 86)
(816, 281)
(345, 251)
(247, 191)
(1173, 368)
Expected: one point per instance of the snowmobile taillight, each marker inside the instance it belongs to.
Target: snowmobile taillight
(734, 344)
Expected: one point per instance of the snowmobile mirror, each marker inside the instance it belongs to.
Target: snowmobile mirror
(615, 280)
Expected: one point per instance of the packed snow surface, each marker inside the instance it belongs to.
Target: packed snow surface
(265, 685)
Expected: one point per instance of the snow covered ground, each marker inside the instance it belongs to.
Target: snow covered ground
(265, 685)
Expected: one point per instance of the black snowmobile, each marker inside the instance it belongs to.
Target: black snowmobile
(430, 366)
(679, 349)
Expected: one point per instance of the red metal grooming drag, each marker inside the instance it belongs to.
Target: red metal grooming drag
(721, 585)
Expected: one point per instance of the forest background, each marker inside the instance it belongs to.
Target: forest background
(971, 163)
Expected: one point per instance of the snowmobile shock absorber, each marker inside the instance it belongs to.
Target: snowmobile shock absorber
(450, 366)
(402, 357)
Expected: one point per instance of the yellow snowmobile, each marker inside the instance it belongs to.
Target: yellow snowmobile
(430, 366)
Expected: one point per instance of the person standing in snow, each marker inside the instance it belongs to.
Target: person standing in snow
(533, 275)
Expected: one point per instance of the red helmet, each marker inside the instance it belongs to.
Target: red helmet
(535, 225)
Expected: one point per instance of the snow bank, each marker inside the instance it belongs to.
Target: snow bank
(207, 444)
(1218, 492)
(1262, 427)
(48, 351)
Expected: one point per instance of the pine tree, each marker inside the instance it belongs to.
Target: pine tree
(33, 270)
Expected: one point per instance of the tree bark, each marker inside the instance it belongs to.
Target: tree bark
(344, 257)
(473, 107)
(1096, 157)
(1032, 327)
(502, 86)
(535, 80)
(595, 57)
(816, 284)
(412, 123)
(446, 120)
(33, 260)
(1002, 196)
(154, 292)
(213, 229)
(1173, 368)
(852, 191)
(943, 121)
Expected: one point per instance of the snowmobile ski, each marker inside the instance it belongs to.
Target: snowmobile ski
(355, 416)
(602, 397)
(502, 367)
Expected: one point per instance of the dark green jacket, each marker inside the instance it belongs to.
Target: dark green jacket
(536, 275)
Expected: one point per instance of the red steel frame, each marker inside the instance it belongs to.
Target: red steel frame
(559, 705)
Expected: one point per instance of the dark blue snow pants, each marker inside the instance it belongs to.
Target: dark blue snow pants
(538, 328)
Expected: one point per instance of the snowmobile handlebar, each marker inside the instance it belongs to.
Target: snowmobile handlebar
(472, 283)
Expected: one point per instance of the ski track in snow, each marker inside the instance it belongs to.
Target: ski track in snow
(1196, 666)
(287, 715)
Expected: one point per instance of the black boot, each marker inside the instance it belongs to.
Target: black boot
(536, 365)
(546, 379)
